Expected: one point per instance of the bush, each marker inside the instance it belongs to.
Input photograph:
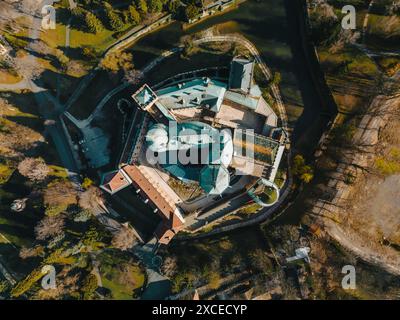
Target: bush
(116, 61)
(387, 166)
(93, 23)
(191, 12)
(214, 280)
(27, 283)
(301, 170)
(89, 286)
(134, 15)
(173, 6)
(114, 19)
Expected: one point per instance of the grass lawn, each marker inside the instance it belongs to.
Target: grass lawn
(55, 37)
(100, 41)
(5, 173)
(9, 78)
(121, 275)
(349, 61)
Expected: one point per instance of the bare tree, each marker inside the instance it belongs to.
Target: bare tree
(169, 267)
(50, 227)
(34, 169)
(58, 196)
(25, 252)
(124, 239)
(27, 67)
(133, 76)
(90, 199)
(41, 47)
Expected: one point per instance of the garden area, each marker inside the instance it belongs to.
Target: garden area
(121, 275)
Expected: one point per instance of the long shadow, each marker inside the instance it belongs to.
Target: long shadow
(311, 123)
(19, 267)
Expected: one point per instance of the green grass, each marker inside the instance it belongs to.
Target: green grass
(58, 172)
(56, 37)
(122, 285)
(5, 173)
(121, 290)
(250, 209)
(349, 61)
(100, 41)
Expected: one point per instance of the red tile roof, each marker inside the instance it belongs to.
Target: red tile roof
(164, 209)
(114, 181)
(164, 234)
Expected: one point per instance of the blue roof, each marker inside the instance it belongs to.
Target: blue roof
(144, 96)
(241, 74)
(192, 94)
(248, 100)
(214, 179)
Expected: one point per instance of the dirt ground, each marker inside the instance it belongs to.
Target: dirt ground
(375, 209)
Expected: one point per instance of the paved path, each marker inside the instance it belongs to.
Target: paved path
(47, 105)
(81, 124)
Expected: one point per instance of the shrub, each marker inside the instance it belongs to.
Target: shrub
(26, 283)
(301, 170)
(89, 286)
(93, 23)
